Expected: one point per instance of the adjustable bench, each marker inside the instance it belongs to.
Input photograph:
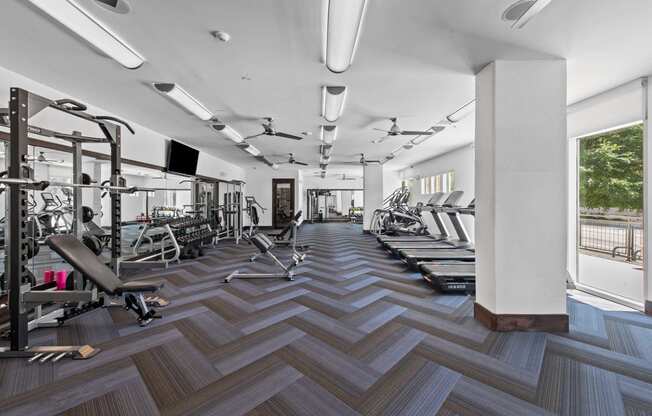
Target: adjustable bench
(92, 268)
(265, 245)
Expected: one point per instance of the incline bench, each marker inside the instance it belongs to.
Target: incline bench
(92, 268)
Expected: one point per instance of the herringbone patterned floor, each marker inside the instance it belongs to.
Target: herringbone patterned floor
(355, 333)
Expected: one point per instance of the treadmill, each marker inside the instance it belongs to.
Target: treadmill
(449, 208)
(451, 276)
(445, 251)
(432, 202)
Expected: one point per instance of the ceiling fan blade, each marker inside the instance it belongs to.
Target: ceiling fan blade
(254, 136)
(384, 131)
(416, 133)
(288, 136)
(300, 163)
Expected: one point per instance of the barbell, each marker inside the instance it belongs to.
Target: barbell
(42, 185)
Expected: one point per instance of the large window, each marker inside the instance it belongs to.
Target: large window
(610, 213)
(444, 182)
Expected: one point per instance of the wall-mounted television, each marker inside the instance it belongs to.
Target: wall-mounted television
(182, 159)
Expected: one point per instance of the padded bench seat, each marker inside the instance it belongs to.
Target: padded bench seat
(93, 268)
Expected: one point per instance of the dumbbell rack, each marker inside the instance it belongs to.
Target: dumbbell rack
(195, 232)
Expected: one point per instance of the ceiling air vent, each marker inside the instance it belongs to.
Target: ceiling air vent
(116, 6)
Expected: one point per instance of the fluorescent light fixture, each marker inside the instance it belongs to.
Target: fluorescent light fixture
(75, 18)
(462, 112)
(185, 100)
(250, 149)
(332, 102)
(229, 132)
(530, 13)
(328, 134)
(326, 151)
(398, 151)
(341, 27)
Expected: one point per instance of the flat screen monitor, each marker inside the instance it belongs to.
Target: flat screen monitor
(182, 159)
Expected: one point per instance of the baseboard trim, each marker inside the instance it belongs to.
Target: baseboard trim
(508, 323)
(648, 307)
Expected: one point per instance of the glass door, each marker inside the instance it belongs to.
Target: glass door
(610, 214)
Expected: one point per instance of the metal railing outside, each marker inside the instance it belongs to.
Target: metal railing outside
(619, 239)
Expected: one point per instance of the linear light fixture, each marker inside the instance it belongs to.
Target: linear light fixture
(228, 132)
(462, 112)
(75, 18)
(341, 27)
(328, 134)
(530, 13)
(250, 149)
(185, 100)
(326, 150)
(332, 102)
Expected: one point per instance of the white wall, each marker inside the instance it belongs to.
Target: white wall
(145, 146)
(461, 161)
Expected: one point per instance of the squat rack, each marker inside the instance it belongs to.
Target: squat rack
(24, 105)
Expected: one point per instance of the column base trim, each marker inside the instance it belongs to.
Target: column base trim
(648, 307)
(507, 322)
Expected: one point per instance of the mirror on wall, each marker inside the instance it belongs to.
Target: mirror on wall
(335, 205)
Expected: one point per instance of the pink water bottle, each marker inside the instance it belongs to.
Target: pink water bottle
(61, 276)
(48, 276)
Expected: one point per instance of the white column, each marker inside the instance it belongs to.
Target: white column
(373, 192)
(521, 195)
(647, 195)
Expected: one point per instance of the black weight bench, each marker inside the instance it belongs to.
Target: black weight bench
(93, 268)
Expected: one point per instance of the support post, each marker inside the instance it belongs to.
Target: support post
(373, 192)
(521, 196)
(77, 202)
(116, 218)
(16, 257)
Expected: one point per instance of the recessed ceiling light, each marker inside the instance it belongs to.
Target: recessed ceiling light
(116, 6)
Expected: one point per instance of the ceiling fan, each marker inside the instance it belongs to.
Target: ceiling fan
(292, 161)
(340, 176)
(41, 158)
(269, 130)
(395, 130)
(362, 161)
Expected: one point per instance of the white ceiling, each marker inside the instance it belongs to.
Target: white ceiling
(415, 60)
